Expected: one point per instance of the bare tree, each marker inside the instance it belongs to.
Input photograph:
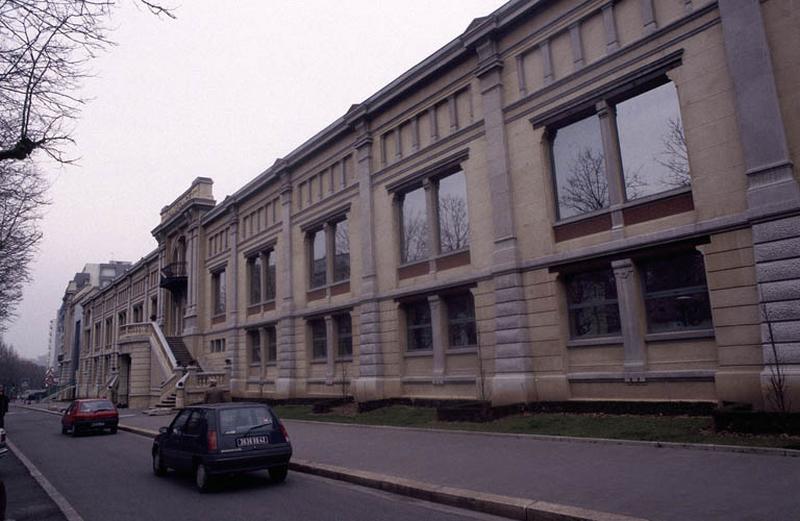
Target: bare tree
(15, 371)
(22, 195)
(453, 223)
(675, 157)
(415, 237)
(778, 392)
(587, 184)
(45, 48)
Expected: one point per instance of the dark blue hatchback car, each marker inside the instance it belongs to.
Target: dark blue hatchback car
(225, 438)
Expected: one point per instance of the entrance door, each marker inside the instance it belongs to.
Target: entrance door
(123, 387)
(178, 304)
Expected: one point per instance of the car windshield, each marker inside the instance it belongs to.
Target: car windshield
(241, 420)
(102, 405)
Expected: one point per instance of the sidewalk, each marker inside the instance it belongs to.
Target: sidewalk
(642, 481)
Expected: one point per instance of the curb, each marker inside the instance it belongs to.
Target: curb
(739, 449)
(505, 506)
(522, 509)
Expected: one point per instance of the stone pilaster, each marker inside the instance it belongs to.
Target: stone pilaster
(513, 381)
(238, 374)
(628, 296)
(439, 336)
(773, 195)
(285, 383)
(369, 385)
(330, 343)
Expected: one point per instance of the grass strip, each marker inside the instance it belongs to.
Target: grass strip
(675, 429)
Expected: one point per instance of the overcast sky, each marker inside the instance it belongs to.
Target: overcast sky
(220, 92)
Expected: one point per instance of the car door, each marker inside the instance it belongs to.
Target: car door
(193, 441)
(170, 446)
(68, 419)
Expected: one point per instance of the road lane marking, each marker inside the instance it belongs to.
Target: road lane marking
(66, 508)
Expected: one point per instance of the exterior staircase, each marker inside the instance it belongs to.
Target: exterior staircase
(167, 402)
(182, 355)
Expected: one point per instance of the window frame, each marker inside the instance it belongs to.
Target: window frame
(464, 322)
(219, 292)
(641, 264)
(343, 340)
(429, 183)
(313, 339)
(409, 328)
(568, 277)
(606, 99)
(327, 227)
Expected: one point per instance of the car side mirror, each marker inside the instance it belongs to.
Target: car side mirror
(62, 410)
(163, 430)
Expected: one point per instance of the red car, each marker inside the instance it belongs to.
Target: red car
(89, 415)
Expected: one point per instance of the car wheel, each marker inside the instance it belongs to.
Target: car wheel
(74, 431)
(113, 430)
(201, 478)
(278, 474)
(64, 430)
(159, 469)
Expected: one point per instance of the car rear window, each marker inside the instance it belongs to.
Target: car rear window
(102, 405)
(240, 420)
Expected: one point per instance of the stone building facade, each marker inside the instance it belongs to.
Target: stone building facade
(570, 200)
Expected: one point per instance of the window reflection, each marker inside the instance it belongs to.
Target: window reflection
(652, 143)
(453, 214)
(415, 226)
(579, 163)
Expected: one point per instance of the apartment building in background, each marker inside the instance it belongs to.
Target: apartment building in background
(572, 200)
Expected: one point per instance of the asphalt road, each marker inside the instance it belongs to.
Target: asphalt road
(109, 477)
(26, 499)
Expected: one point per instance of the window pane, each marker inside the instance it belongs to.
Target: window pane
(418, 326)
(676, 295)
(344, 331)
(218, 281)
(453, 215)
(254, 339)
(341, 244)
(592, 303)
(272, 344)
(461, 321)
(579, 162)
(415, 226)
(318, 261)
(270, 283)
(319, 341)
(254, 272)
(652, 142)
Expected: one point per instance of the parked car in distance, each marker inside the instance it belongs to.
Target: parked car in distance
(3, 448)
(89, 415)
(224, 438)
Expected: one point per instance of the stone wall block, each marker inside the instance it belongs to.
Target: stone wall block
(776, 250)
(513, 365)
(788, 353)
(780, 290)
(516, 293)
(509, 280)
(782, 332)
(779, 270)
(785, 228)
(783, 311)
(509, 322)
(510, 336)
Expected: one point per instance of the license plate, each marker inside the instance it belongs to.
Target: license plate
(252, 441)
(98, 424)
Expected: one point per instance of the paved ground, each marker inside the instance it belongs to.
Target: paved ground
(108, 477)
(644, 481)
(26, 499)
